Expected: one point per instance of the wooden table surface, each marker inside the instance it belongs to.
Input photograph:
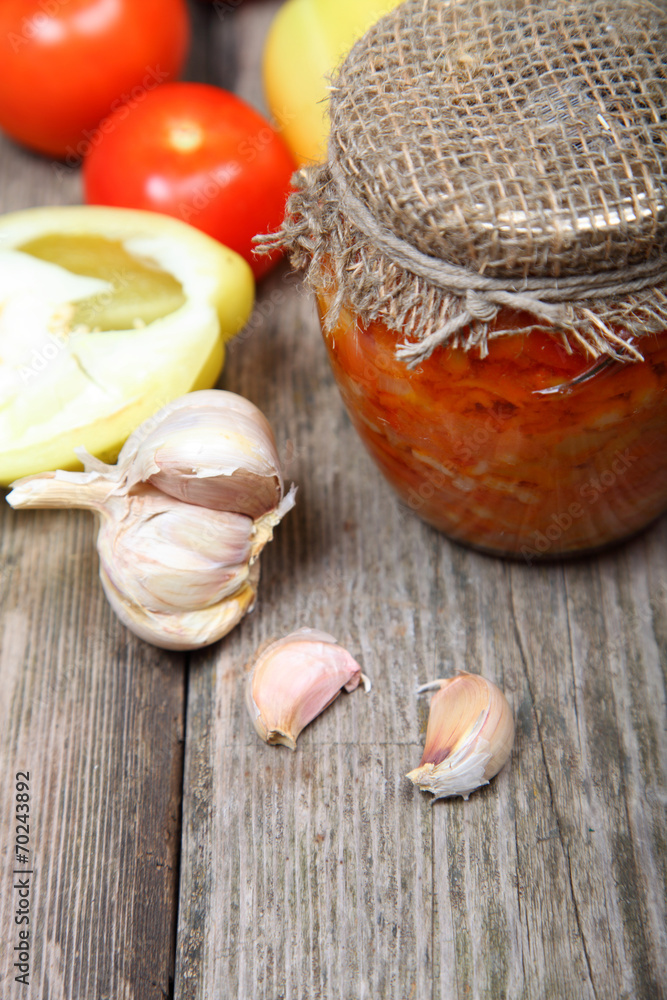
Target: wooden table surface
(175, 855)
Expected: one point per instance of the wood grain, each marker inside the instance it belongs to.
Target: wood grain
(95, 716)
(324, 874)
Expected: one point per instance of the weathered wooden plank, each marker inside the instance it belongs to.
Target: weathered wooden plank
(312, 880)
(96, 717)
(575, 626)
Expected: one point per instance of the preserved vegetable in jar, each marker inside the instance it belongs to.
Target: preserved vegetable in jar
(488, 247)
(531, 451)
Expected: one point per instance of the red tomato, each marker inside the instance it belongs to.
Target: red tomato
(67, 64)
(201, 154)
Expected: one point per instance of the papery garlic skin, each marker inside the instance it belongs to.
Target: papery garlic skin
(235, 466)
(294, 679)
(469, 736)
(179, 574)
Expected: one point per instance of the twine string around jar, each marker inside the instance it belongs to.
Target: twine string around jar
(544, 297)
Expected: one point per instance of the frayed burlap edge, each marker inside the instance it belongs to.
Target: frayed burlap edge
(346, 264)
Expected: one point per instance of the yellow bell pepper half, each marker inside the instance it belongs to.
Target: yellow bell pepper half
(306, 42)
(106, 314)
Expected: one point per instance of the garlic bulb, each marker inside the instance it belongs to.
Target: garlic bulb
(469, 736)
(294, 679)
(179, 565)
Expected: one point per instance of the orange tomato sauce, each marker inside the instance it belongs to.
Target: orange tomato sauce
(474, 449)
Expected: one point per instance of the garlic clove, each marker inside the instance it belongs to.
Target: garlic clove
(167, 555)
(469, 736)
(209, 398)
(294, 679)
(183, 630)
(232, 464)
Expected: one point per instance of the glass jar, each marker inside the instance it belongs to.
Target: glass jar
(493, 215)
(533, 451)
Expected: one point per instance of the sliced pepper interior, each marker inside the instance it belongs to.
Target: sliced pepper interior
(141, 291)
(106, 315)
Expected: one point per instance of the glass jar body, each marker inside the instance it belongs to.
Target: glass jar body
(478, 449)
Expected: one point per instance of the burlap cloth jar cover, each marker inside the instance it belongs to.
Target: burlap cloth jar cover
(492, 158)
